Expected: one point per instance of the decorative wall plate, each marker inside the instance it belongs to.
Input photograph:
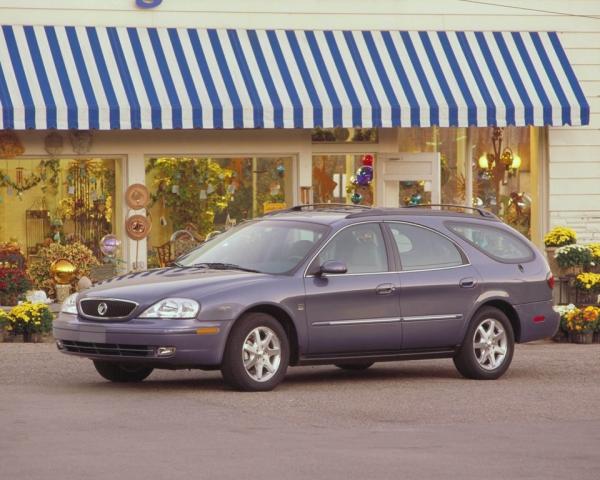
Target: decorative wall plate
(137, 227)
(137, 196)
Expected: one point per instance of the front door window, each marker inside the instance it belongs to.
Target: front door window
(360, 247)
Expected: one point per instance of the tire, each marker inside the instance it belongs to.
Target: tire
(355, 367)
(262, 371)
(122, 372)
(480, 357)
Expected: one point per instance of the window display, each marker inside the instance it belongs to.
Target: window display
(57, 200)
(195, 197)
(334, 179)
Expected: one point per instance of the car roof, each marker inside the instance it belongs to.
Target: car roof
(331, 213)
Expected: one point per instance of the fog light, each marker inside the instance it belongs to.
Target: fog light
(59, 344)
(165, 351)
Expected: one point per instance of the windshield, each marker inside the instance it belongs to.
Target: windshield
(264, 246)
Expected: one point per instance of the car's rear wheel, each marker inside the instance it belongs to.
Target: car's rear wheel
(354, 366)
(488, 347)
(257, 354)
(122, 372)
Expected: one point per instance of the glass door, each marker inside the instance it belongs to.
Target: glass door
(409, 179)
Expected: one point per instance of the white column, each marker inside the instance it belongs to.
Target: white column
(134, 252)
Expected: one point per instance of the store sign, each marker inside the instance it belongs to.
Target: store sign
(147, 3)
(272, 206)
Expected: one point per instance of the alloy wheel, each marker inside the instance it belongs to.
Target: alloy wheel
(261, 354)
(490, 344)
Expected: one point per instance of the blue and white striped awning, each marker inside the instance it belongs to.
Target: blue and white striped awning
(171, 78)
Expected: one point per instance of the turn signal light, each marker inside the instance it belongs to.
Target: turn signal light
(550, 280)
(208, 331)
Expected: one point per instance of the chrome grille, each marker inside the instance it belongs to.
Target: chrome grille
(112, 349)
(107, 308)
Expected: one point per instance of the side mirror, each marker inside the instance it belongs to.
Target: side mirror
(333, 267)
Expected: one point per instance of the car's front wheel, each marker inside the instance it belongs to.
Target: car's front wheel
(488, 347)
(122, 372)
(257, 353)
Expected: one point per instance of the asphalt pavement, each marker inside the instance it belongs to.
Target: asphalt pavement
(406, 420)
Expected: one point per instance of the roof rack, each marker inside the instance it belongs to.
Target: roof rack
(481, 211)
(321, 206)
(405, 210)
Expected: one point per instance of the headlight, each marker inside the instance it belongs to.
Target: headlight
(70, 304)
(173, 308)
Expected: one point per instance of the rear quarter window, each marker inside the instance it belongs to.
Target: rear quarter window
(497, 243)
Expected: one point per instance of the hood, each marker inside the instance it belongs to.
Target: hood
(152, 285)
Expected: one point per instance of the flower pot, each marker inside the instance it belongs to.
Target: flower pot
(554, 268)
(12, 338)
(569, 271)
(584, 338)
(36, 337)
(561, 337)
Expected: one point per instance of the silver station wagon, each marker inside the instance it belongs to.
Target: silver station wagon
(322, 284)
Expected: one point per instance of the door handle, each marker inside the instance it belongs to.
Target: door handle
(385, 289)
(467, 282)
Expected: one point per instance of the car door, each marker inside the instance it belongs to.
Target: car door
(437, 286)
(358, 311)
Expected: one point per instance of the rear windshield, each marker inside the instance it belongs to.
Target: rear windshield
(497, 243)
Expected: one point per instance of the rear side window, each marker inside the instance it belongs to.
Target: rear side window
(494, 242)
(423, 249)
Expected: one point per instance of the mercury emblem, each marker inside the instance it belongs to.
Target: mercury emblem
(102, 308)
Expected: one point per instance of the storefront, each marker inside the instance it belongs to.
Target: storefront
(224, 125)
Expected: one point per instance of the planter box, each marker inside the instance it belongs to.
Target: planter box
(585, 338)
(596, 338)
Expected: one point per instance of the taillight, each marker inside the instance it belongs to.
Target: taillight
(550, 280)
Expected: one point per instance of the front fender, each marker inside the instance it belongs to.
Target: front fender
(285, 294)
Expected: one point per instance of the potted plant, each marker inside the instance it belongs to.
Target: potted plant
(3, 325)
(31, 320)
(557, 237)
(581, 324)
(588, 284)
(571, 259)
(562, 335)
(595, 249)
(76, 253)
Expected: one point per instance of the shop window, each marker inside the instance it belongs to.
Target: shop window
(451, 143)
(332, 179)
(507, 188)
(504, 176)
(57, 200)
(344, 135)
(195, 197)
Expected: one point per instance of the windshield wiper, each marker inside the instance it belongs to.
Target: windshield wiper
(224, 266)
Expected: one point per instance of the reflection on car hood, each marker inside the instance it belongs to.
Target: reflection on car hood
(164, 282)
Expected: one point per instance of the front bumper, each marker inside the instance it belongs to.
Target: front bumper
(196, 344)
